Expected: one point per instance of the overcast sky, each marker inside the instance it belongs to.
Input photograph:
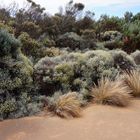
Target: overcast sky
(110, 7)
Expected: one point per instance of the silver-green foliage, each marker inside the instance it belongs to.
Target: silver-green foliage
(136, 56)
(15, 78)
(8, 44)
(78, 71)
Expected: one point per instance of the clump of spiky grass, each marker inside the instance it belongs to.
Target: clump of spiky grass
(65, 106)
(132, 79)
(109, 92)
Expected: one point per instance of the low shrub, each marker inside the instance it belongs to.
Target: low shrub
(123, 61)
(35, 49)
(113, 44)
(75, 42)
(73, 71)
(89, 34)
(71, 40)
(111, 36)
(131, 36)
(8, 106)
(29, 27)
(6, 27)
(52, 52)
(48, 42)
(136, 56)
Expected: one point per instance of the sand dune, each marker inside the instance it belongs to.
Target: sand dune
(97, 123)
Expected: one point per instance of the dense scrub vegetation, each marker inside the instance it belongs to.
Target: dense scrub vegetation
(63, 61)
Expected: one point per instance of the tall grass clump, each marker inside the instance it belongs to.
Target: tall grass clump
(65, 106)
(132, 79)
(111, 93)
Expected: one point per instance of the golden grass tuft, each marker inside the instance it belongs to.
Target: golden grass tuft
(67, 105)
(132, 80)
(109, 92)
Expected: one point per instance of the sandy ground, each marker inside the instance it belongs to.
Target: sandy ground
(97, 123)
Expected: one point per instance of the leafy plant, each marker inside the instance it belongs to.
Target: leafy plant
(136, 56)
(73, 71)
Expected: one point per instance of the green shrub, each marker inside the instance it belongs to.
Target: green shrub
(16, 78)
(8, 106)
(89, 34)
(51, 52)
(74, 71)
(26, 105)
(6, 27)
(75, 42)
(29, 45)
(99, 64)
(35, 49)
(79, 71)
(8, 44)
(71, 40)
(123, 61)
(132, 36)
(111, 35)
(113, 44)
(29, 27)
(48, 42)
(136, 56)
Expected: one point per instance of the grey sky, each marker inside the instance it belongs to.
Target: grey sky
(99, 6)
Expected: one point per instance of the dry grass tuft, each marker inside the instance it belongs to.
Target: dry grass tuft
(67, 105)
(132, 79)
(111, 93)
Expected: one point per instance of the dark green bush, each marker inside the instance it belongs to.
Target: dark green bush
(136, 56)
(123, 61)
(71, 40)
(8, 44)
(113, 44)
(35, 49)
(15, 77)
(74, 71)
(75, 42)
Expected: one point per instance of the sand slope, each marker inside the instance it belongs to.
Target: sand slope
(97, 123)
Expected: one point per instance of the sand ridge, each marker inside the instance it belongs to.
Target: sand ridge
(97, 123)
